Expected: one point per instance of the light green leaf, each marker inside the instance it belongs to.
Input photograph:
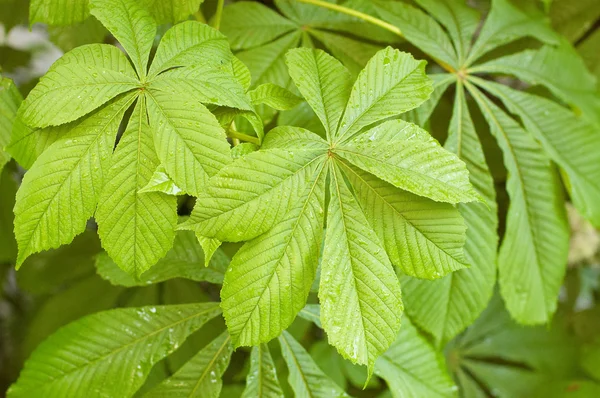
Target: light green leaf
(306, 379)
(359, 292)
(241, 73)
(189, 141)
(250, 24)
(456, 300)
(560, 69)
(161, 182)
(506, 23)
(58, 12)
(79, 82)
(420, 115)
(294, 138)
(407, 157)
(201, 375)
(422, 237)
(185, 260)
(323, 81)
(392, 83)
(262, 379)
(10, 99)
(243, 149)
(421, 30)
(171, 11)
(60, 192)
(458, 18)
(235, 209)
(574, 152)
(274, 96)
(311, 312)
(131, 24)
(72, 36)
(136, 229)
(27, 144)
(209, 246)
(412, 368)
(533, 255)
(189, 43)
(283, 263)
(8, 244)
(121, 344)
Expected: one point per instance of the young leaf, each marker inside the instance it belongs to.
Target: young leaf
(201, 375)
(10, 98)
(412, 368)
(136, 229)
(121, 344)
(456, 300)
(411, 162)
(132, 25)
(79, 82)
(161, 182)
(533, 253)
(359, 292)
(283, 263)
(392, 83)
(262, 378)
(324, 82)
(60, 192)
(306, 379)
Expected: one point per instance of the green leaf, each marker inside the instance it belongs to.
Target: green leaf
(420, 115)
(69, 37)
(458, 18)
(171, 11)
(506, 23)
(560, 69)
(10, 99)
(391, 84)
(323, 81)
(249, 24)
(412, 368)
(121, 344)
(27, 144)
(234, 208)
(262, 378)
(79, 82)
(209, 246)
(58, 12)
(60, 192)
(421, 30)
(131, 24)
(8, 244)
(312, 312)
(161, 182)
(533, 255)
(548, 122)
(573, 19)
(201, 375)
(283, 264)
(456, 300)
(189, 141)
(185, 260)
(422, 237)
(359, 292)
(136, 229)
(274, 96)
(306, 379)
(407, 157)
(189, 43)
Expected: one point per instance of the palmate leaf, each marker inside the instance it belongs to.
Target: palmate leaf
(456, 300)
(533, 254)
(136, 229)
(262, 378)
(306, 379)
(10, 99)
(61, 190)
(201, 375)
(121, 344)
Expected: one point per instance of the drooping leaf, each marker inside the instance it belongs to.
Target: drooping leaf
(121, 344)
(412, 368)
(79, 82)
(58, 12)
(306, 379)
(136, 229)
(60, 192)
(392, 83)
(201, 375)
(283, 263)
(262, 378)
(533, 254)
(359, 292)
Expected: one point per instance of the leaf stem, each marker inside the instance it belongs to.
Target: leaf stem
(354, 13)
(218, 14)
(236, 135)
